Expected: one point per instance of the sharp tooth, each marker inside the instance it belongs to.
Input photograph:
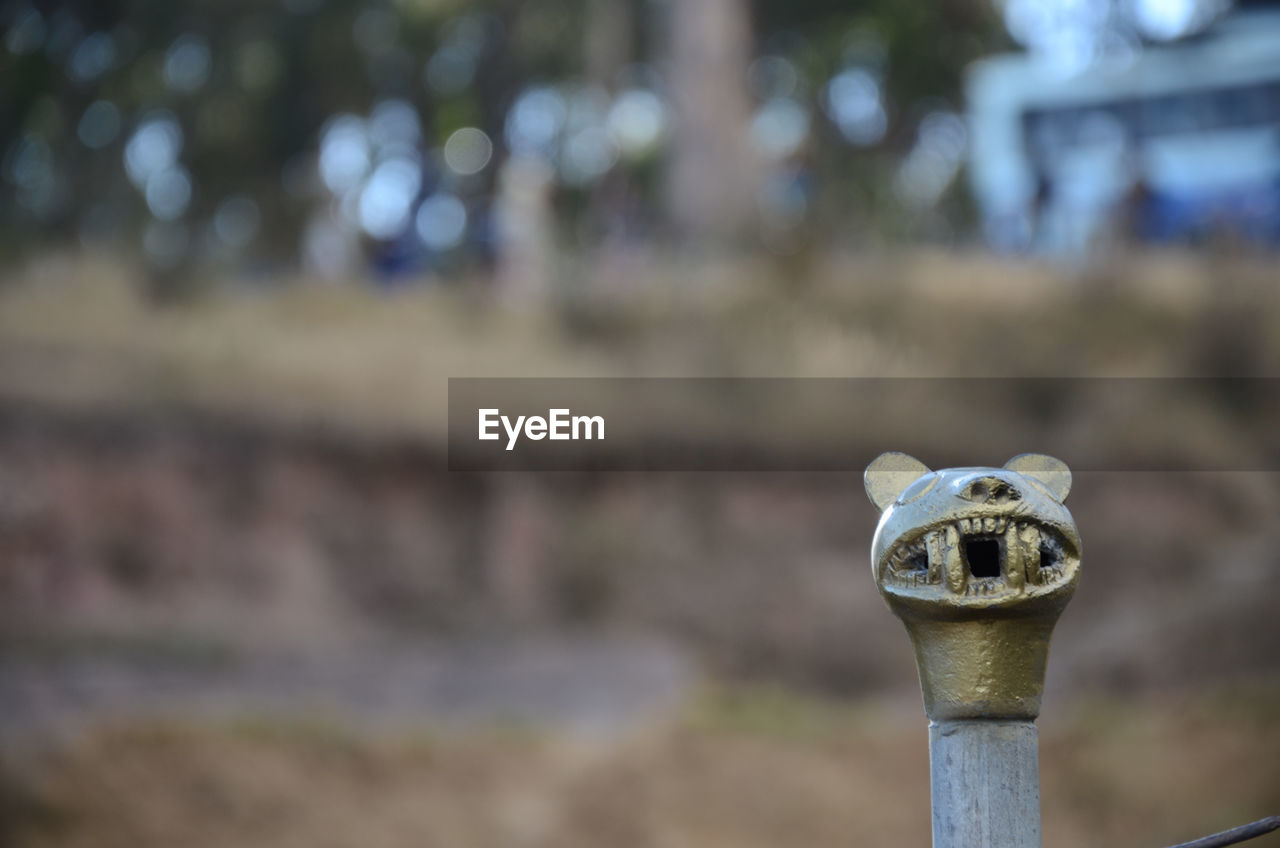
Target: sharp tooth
(1014, 569)
(989, 525)
(952, 565)
(934, 546)
(1029, 536)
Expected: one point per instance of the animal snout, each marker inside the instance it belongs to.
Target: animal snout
(990, 490)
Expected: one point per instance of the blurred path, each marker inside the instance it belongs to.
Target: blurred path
(596, 685)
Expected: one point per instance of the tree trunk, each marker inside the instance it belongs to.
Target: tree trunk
(711, 185)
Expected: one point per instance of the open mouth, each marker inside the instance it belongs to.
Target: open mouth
(980, 556)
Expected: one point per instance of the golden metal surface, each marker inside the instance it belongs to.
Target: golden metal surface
(978, 563)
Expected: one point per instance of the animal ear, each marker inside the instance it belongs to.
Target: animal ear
(1053, 473)
(889, 474)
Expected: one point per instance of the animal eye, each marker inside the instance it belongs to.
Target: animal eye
(917, 488)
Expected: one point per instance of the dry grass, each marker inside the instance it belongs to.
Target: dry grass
(744, 770)
(74, 332)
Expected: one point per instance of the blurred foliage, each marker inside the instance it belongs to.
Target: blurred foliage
(279, 71)
(273, 74)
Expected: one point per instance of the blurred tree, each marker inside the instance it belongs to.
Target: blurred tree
(236, 94)
(608, 39)
(710, 190)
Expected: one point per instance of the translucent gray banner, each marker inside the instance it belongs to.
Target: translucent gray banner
(775, 424)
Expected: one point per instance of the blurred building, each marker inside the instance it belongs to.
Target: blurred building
(1157, 142)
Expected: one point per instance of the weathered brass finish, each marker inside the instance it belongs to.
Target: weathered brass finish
(978, 563)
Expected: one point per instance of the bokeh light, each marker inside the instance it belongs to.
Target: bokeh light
(153, 147)
(535, 121)
(853, 100)
(934, 161)
(638, 122)
(99, 125)
(441, 222)
(27, 32)
(30, 167)
(187, 64)
(394, 128)
(468, 151)
(386, 200)
(780, 128)
(236, 221)
(452, 67)
(1069, 36)
(92, 58)
(1164, 20)
(345, 154)
(168, 192)
(588, 150)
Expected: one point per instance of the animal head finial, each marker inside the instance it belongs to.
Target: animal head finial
(978, 562)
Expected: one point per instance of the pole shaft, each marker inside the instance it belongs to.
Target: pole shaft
(985, 782)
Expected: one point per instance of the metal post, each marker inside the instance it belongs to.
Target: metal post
(978, 563)
(985, 780)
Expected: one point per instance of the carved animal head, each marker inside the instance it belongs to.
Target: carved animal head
(964, 540)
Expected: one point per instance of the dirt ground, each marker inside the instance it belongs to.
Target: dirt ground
(243, 601)
(737, 769)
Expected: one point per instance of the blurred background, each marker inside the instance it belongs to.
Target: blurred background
(244, 245)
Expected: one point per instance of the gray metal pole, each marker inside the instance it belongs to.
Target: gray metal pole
(978, 563)
(985, 782)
